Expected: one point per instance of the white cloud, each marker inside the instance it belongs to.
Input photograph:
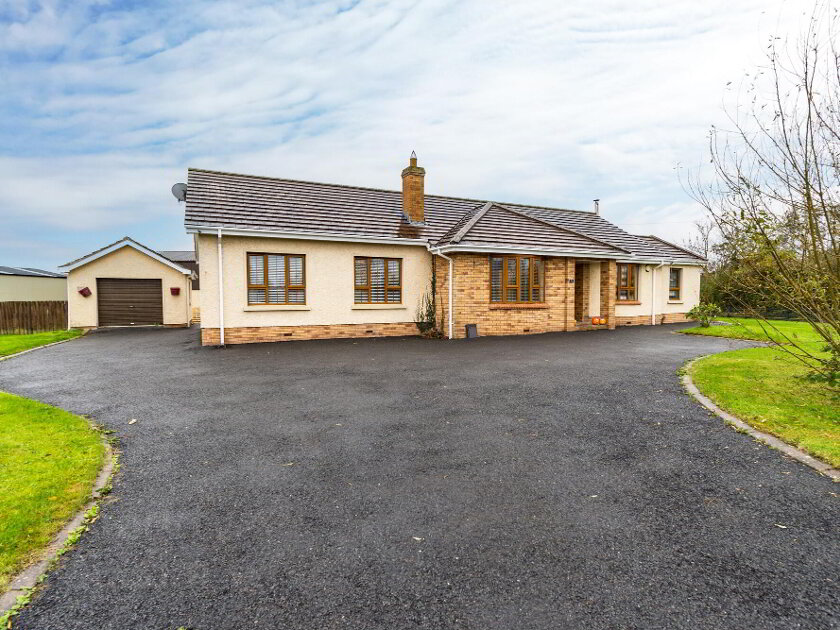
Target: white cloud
(548, 102)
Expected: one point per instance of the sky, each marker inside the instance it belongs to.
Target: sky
(104, 105)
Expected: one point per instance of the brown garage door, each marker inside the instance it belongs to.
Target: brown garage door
(129, 302)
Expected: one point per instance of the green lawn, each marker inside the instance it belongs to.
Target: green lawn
(763, 386)
(745, 328)
(10, 344)
(50, 459)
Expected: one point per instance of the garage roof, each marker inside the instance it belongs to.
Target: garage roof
(124, 242)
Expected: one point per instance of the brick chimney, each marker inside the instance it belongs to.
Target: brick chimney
(412, 198)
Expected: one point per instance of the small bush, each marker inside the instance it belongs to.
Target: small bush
(704, 313)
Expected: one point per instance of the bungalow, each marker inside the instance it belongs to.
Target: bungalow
(282, 259)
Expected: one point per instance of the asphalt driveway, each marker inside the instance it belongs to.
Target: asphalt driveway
(552, 481)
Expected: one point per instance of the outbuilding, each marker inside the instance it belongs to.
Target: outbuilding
(127, 284)
(28, 284)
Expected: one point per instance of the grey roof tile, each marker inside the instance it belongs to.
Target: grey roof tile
(249, 202)
(496, 225)
(177, 255)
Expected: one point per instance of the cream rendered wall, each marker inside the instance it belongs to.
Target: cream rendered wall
(329, 283)
(126, 262)
(32, 289)
(690, 294)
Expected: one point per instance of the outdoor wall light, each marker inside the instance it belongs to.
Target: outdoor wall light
(85, 292)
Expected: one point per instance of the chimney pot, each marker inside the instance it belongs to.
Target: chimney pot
(412, 190)
(597, 206)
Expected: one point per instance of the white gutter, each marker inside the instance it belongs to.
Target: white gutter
(496, 249)
(221, 292)
(653, 292)
(450, 308)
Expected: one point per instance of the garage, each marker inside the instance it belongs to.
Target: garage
(129, 301)
(128, 284)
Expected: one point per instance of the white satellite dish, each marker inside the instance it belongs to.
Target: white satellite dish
(180, 192)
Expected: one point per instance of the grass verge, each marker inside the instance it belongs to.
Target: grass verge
(747, 328)
(764, 386)
(50, 461)
(12, 344)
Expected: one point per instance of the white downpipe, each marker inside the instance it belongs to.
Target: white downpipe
(449, 282)
(67, 292)
(653, 293)
(221, 291)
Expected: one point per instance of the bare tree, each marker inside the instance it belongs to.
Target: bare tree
(701, 240)
(775, 190)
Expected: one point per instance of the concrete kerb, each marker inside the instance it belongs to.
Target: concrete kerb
(770, 440)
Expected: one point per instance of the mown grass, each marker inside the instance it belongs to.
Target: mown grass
(11, 344)
(775, 330)
(49, 459)
(765, 386)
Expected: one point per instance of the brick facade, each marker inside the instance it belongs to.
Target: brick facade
(582, 292)
(644, 320)
(609, 274)
(673, 318)
(413, 196)
(257, 334)
(473, 306)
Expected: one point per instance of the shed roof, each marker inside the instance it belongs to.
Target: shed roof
(29, 272)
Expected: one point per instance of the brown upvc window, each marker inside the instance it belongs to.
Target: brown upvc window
(377, 280)
(674, 283)
(517, 279)
(625, 289)
(276, 279)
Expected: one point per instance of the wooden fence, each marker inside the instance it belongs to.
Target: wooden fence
(29, 317)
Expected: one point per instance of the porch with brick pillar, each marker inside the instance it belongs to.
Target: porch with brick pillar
(609, 275)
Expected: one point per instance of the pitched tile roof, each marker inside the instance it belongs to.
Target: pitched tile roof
(178, 255)
(494, 225)
(255, 203)
(125, 241)
(676, 250)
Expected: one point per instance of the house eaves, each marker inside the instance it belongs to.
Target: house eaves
(536, 251)
(305, 236)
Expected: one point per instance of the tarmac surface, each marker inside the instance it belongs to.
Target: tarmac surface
(547, 481)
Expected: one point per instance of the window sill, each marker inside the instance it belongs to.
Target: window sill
(256, 308)
(508, 307)
(675, 301)
(378, 307)
(627, 302)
